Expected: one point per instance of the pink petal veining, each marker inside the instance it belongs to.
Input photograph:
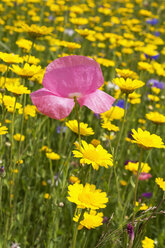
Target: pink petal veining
(98, 101)
(73, 74)
(69, 77)
(53, 106)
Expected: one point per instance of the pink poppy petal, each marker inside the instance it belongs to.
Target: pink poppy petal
(53, 106)
(73, 75)
(98, 101)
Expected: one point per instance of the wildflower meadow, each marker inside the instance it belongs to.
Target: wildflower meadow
(82, 123)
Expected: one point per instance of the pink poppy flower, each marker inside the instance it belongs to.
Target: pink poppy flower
(66, 78)
(144, 176)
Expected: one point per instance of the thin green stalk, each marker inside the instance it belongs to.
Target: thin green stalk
(12, 130)
(78, 119)
(122, 128)
(116, 151)
(76, 230)
(22, 125)
(136, 185)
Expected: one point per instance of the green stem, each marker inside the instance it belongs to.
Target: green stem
(116, 151)
(78, 119)
(136, 185)
(76, 230)
(12, 130)
(122, 128)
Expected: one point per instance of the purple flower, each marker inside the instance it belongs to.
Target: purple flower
(157, 33)
(153, 21)
(152, 57)
(147, 194)
(105, 219)
(58, 129)
(130, 231)
(121, 104)
(97, 115)
(155, 83)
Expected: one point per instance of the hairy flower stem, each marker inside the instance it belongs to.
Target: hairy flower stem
(116, 151)
(76, 230)
(78, 119)
(136, 184)
(22, 125)
(12, 130)
(122, 128)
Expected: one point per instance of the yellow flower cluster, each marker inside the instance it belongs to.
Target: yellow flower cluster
(128, 85)
(96, 156)
(91, 198)
(84, 129)
(146, 140)
(156, 117)
(147, 243)
(36, 31)
(160, 182)
(133, 166)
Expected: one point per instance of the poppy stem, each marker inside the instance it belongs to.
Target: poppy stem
(78, 119)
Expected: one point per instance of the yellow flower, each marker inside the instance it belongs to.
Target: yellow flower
(17, 89)
(115, 113)
(10, 58)
(87, 196)
(147, 243)
(90, 220)
(9, 103)
(74, 179)
(84, 129)
(131, 166)
(142, 121)
(134, 98)
(156, 117)
(123, 182)
(146, 140)
(36, 31)
(31, 59)
(47, 196)
(153, 98)
(3, 129)
(160, 182)
(19, 162)
(70, 45)
(27, 71)
(105, 62)
(45, 149)
(25, 44)
(142, 206)
(95, 142)
(79, 21)
(19, 137)
(85, 32)
(52, 156)
(146, 66)
(3, 68)
(29, 110)
(126, 73)
(38, 77)
(44, 183)
(109, 126)
(128, 85)
(155, 90)
(97, 156)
